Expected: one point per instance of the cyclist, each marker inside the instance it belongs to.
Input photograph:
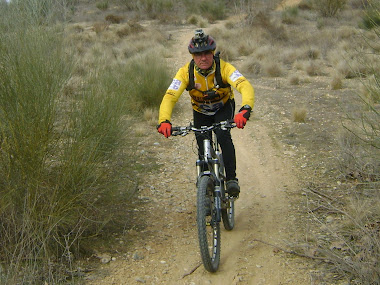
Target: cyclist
(209, 80)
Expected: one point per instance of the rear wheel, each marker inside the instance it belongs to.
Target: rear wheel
(228, 214)
(208, 227)
(228, 208)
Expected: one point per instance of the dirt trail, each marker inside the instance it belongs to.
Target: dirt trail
(167, 251)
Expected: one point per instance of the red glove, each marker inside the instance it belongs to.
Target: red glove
(242, 117)
(165, 128)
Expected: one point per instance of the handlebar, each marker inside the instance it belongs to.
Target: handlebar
(183, 131)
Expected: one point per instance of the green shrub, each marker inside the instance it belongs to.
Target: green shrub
(57, 153)
(34, 68)
(371, 17)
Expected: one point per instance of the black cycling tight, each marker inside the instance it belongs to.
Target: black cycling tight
(224, 137)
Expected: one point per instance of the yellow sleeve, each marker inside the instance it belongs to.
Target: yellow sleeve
(239, 82)
(175, 90)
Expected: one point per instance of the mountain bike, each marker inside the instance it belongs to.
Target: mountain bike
(213, 202)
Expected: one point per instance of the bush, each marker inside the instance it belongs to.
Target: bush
(34, 68)
(56, 155)
(57, 152)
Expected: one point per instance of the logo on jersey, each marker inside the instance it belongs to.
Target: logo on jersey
(175, 84)
(235, 75)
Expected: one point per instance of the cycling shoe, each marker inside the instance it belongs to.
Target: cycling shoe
(233, 188)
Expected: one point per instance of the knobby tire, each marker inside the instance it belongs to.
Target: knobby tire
(228, 212)
(208, 228)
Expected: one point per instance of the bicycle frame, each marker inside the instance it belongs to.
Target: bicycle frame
(211, 157)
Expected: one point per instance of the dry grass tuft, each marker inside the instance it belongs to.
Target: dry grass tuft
(245, 48)
(299, 115)
(329, 8)
(313, 53)
(123, 31)
(150, 116)
(305, 5)
(100, 27)
(193, 19)
(294, 80)
(369, 92)
(102, 5)
(226, 53)
(135, 27)
(289, 15)
(313, 68)
(114, 19)
(345, 69)
(264, 52)
(260, 20)
(252, 66)
(272, 68)
(230, 25)
(336, 82)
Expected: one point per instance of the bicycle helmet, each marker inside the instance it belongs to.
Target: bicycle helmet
(201, 42)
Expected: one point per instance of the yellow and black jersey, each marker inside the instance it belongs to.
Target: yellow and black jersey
(203, 85)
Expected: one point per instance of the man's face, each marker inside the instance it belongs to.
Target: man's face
(204, 59)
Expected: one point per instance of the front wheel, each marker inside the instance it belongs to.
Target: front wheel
(208, 227)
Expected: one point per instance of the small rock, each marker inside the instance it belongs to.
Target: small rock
(329, 219)
(105, 260)
(140, 280)
(137, 256)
